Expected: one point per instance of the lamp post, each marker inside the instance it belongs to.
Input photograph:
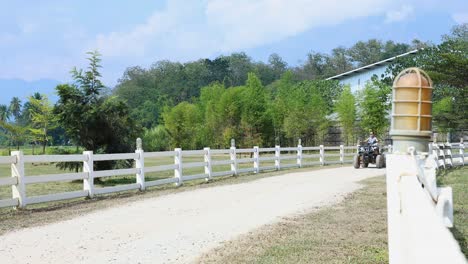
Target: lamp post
(413, 198)
(411, 124)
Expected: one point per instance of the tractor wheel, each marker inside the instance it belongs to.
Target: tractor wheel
(357, 161)
(379, 161)
(365, 164)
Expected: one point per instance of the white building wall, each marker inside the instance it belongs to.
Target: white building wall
(358, 80)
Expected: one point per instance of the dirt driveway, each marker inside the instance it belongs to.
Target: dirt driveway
(177, 228)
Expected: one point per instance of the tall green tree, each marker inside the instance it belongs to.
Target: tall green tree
(341, 60)
(239, 66)
(392, 49)
(345, 107)
(329, 90)
(230, 106)
(43, 120)
(183, 125)
(366, 52)
(374, 108)
(278, 65)
(306, 114)
(15, 108)
(442, 112)
(280, 106)
(94, 122)
(89, 81)
(25, 118)
(255, 117)
(156, 139)
(317, 66)
(210, 107)
(4, 113)
(16, 134)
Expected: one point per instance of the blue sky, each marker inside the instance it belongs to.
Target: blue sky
(45, 39)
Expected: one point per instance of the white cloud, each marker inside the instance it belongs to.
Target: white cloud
(460, 18)
(173, 29)
(46, 40)
(399, 15)
(187, 30)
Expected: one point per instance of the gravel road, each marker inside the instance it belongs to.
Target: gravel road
(177, 228)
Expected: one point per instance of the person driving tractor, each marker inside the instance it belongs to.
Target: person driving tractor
(369, 153)
(372, 139)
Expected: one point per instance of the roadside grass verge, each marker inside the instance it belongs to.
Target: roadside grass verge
(353, 231)
(40, 214)
(457, 178)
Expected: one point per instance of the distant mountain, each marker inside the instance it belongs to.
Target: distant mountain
(22, 89)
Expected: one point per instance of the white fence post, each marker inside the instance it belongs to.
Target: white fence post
(88, 167)
(442, 153)
(416, 233)
(322, 155)
(448, 151)
(342, 154)
(17, 170)
(256, 159)
(394, 224)
(140, 165)
(178, 166)
(277, 157)
(462, 152)
(207, 158)
(233, 161)
(433, 150)
(299, 156)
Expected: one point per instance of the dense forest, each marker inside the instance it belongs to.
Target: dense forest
(209, 101)
(147, 91)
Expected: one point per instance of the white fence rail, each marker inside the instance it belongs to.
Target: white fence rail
(449, 154)
(261, 159)
(419, 212)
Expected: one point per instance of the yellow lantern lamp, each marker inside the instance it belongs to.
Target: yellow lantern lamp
(411, 124)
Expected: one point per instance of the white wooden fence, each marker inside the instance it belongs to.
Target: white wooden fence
(419, 212)
(448, 154)
(256, 156)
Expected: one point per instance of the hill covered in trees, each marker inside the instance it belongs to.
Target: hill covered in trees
(168, 83)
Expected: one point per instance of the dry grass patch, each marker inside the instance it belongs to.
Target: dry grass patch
(354, 231)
